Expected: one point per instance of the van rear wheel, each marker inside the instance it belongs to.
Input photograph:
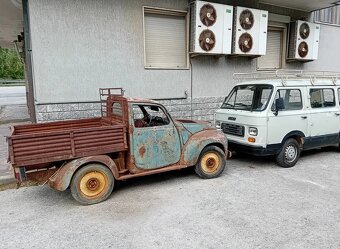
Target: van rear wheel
(289, 154)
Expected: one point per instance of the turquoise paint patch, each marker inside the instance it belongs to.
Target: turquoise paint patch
(156, 147)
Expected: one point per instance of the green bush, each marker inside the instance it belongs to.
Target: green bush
(10, 65)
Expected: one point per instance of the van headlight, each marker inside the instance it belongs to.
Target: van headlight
(218, 124)
(253, 131)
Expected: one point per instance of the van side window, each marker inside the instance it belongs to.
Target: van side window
(339, 95)
(322, 98)
(292, 99)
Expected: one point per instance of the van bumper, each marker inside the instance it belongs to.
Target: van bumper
(271, 149)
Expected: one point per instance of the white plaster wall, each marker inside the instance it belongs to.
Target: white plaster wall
(81, 45)
(329, 50)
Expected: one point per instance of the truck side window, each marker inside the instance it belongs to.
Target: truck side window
(292, 99)
(149, 116)
(322, 98)
(117, 109)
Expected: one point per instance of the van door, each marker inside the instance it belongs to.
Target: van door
(324, 117)
(292, 119)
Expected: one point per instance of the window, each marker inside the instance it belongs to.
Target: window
(322, 98)
(328, 15)
(149, 116)
(339, 95)
(165, 39)
(291, 98)
(117, 109)
(274, 57)
(248, 98)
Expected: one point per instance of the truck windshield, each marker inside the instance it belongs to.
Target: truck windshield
(248, 98)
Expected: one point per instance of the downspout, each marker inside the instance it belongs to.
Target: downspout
(28, 62)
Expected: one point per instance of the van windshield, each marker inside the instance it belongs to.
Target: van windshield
(248, 98)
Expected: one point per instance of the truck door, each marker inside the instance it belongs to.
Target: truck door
(293, 118)
(155, 140)
(324, 117)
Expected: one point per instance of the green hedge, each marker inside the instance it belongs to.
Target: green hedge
(10, 65)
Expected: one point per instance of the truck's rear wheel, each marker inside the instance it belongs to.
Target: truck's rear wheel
(92, 184)
(289, 154)
(211, 162)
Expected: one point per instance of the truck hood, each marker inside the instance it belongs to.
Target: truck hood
(193, 126)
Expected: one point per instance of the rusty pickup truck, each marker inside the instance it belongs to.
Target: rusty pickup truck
(132, 138)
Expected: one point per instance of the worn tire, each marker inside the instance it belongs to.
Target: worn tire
(289, 154)
(92, 184)
(211, 162)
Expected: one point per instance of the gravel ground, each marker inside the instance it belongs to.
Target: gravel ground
(254, 204)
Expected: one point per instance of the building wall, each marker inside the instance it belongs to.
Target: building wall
(79, 46)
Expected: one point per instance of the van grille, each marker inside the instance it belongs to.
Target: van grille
(232, 129)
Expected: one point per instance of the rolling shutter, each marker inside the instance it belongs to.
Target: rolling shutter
(273, 57)
(165, 41)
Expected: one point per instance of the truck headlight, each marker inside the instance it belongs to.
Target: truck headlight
(218, 124)
(252, 131)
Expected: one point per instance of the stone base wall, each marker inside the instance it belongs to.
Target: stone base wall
(201, 108)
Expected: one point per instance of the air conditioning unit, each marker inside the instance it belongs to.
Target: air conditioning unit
(211, 28)
(303, 41)
(250, 32)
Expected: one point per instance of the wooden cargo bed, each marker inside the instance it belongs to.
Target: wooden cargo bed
(38, 144)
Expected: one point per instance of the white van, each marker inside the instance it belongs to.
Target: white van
(282, 113)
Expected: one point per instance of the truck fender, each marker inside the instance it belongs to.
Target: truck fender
(197, 142)
(61, 179)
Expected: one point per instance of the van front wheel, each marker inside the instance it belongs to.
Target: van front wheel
(289, 154)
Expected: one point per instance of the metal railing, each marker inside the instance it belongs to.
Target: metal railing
(285, 74)
(12, 81)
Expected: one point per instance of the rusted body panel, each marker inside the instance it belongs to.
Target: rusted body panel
(198, 141)
(58, 141)
(62, 178)
(113, 141)
(155, 147)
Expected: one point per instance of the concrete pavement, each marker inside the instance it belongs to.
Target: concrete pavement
(12, 95)
(254, 204)
(13, 110)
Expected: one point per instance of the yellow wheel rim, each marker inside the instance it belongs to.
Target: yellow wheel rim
(210, 162)
(93, 183)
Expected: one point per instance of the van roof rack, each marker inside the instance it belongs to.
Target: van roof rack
(285, 74)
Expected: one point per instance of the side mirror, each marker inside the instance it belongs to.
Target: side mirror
(279, 105)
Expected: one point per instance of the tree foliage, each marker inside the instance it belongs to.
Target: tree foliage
(10, 65)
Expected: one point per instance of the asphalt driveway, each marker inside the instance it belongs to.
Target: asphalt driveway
(254, 204)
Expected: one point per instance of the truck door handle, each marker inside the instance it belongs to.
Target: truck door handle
(337, 114)
(304, 117)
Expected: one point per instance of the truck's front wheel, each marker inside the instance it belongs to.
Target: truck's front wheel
(211, 162)
(92, 184)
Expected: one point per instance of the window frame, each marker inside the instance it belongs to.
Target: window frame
(229, 96)
(167, 12)
(285, 89)
(323, 98)
(283, 28)
(170, 124)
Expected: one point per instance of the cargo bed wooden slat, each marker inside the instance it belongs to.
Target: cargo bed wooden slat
(50, 142)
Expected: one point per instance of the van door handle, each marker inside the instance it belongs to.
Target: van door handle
(304, 117)
(337, 114)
